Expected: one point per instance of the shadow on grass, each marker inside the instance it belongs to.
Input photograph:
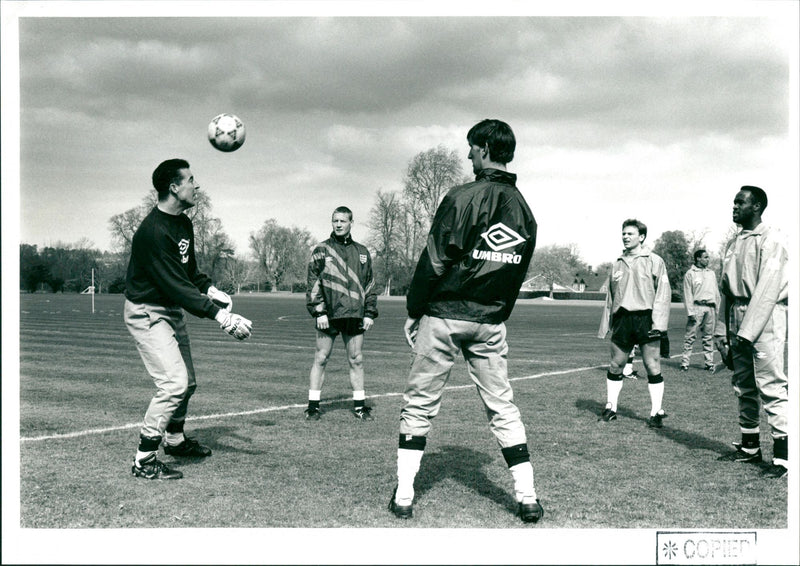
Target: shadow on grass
(691, 440)
(217, 438)
(343, 404)
(464, 466)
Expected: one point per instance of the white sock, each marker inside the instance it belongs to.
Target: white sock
(781, 462)
(173, 438)
(523, 482)
(142, 455)
(314, 395)
(359, 395)
(408, 462)
(613, 388)
(656, 395)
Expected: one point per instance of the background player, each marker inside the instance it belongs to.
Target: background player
(162, 280)
(700, 297)
(342, 298)
(637, 312)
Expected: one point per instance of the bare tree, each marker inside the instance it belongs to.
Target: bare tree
(123, 226)
(385, 217)
(238, 271)
(429, 175)
(282, 253)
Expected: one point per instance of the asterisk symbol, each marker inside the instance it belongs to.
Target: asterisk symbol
(670, 549)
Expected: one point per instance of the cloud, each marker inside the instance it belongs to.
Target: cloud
(340, 105)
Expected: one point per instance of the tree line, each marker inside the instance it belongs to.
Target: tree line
(398, 225)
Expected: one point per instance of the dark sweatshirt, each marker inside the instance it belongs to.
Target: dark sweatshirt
(163, 268)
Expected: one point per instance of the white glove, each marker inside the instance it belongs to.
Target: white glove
(235, 325)
(220, 298)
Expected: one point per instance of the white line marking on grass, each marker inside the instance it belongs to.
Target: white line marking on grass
(81, 433)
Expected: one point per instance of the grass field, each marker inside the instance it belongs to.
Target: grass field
(83, 391)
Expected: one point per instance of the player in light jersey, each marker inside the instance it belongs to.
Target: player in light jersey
(700, 297)
(752, 322)
(637, 313)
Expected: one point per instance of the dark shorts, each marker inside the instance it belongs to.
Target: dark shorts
(629, 328)
(347, 326)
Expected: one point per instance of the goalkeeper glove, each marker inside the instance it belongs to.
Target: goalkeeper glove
(235, 325)
(220, 298)
(724, 348)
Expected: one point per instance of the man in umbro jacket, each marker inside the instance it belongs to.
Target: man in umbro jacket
(464, 288)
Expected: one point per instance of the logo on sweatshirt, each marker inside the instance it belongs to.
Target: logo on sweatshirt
(183, 248)
(499, 237)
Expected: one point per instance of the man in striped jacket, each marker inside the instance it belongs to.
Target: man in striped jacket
(341, 297)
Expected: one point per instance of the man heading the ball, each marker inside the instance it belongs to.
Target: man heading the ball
(163, 280)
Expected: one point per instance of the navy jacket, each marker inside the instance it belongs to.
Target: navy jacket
(477, 254)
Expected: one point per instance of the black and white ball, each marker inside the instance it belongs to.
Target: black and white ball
(226, 132)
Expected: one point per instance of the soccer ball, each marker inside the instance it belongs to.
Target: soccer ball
(226, 132)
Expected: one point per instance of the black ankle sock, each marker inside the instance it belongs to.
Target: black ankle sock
(751, 440)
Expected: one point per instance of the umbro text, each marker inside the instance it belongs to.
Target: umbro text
(496, 256)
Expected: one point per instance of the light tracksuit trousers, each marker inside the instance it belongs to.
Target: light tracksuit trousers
(705, 320)
(760, 378)
(163, 343)
(484, 347)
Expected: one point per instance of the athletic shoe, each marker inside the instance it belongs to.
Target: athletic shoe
(656, 421)
(684, 368)
(741, 456)
(632, 375)
(530, 512)
(151, 468)
(775, 471)
(608, 414)
(312, 414)
(712, 369)
(189, 448)
(400, 511)
(363, 413)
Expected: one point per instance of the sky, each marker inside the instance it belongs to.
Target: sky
(661, 118)
(658, 112)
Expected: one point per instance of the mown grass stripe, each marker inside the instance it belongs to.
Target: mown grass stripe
(88, 432)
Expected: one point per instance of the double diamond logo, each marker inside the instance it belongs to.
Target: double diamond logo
(500, 237)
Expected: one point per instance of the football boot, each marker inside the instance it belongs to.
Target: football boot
(530, 512)
(312, 414)
(742, 456)
(608, 415)
(363, 413)
(151, 468)
(400, 511)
